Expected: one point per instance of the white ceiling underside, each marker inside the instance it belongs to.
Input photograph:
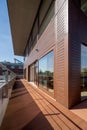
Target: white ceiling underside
(21, 14)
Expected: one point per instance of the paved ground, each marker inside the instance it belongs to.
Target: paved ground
(31, 109)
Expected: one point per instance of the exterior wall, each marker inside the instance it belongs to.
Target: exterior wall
(55, 37)
(74, 53)
(61, 54)
(64, 34)
(77, 35)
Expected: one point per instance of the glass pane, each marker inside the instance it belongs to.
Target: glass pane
(36, 73)
(46, 69)
(50, 68)
(43, 72)
(32, 73)
(84, 6)
(6, 75)
(83, 71)
(43, 9)
(46, 20)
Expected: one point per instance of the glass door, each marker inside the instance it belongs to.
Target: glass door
(83, 71)
(33, 72)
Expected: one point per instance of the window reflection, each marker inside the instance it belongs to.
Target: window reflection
(83, 71)
(84, 6)
(32, 73)
(46, 69)
(33, 70)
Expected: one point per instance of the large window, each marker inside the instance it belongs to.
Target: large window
(46, 15)
(84, 6)
(84, 71)
(46, 70)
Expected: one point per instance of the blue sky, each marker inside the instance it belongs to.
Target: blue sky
(6, 46)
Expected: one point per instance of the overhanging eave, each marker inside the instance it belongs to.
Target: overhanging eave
(21, 14)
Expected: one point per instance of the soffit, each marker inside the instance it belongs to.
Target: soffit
(21, 14)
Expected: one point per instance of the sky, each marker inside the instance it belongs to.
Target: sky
(6, 46)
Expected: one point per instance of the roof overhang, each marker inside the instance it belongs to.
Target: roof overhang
(21, 14)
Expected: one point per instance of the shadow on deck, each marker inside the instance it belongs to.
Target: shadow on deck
(30, 109)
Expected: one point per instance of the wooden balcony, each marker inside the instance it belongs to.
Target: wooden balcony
(31, 109)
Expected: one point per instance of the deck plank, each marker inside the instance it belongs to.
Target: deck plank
(31, 109)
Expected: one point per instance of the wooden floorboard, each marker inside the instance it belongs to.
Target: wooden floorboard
(31, 109)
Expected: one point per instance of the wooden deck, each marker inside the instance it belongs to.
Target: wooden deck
(31, 109)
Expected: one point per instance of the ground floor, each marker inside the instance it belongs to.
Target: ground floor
(30, 108)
